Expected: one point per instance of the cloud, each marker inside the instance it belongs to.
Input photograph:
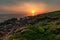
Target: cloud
(23, 7)
(8, 2)
(12, 2)
(26, 5)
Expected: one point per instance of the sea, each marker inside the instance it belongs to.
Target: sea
(4, 17)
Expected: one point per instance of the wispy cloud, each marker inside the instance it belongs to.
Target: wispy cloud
(25, 5)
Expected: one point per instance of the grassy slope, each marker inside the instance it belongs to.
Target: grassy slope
(40, 27)
(49, 30)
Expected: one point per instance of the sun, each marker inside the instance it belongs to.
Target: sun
(33, 12)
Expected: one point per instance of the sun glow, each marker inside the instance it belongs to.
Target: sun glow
(33, 12)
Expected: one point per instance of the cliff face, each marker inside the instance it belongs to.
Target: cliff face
(11, 25)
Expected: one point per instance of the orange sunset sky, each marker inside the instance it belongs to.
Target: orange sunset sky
(30, 7)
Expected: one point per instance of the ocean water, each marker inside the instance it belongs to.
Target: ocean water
(4, 17)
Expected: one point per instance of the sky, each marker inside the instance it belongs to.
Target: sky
(26, 6)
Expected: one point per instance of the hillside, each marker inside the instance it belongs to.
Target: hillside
(40, 27)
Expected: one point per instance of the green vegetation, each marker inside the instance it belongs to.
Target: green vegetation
(36, 33)
(39, 27)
